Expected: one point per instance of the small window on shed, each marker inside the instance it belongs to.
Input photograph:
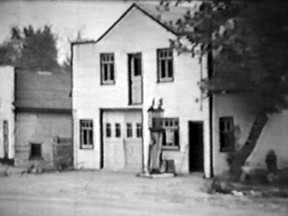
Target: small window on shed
(226, 129)
(35, 151)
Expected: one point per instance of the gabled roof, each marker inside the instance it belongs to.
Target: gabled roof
(43, 90)
(169, 19)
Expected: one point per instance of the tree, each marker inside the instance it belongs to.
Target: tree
(31, 49)
(250, 53)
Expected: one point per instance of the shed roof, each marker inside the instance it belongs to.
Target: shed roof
(43, 90)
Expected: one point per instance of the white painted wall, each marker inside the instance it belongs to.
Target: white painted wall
(7, 75)
(243, 109)
(182, 97)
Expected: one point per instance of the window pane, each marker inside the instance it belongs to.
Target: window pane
(137, 66)
(112, 72)
(129, 130)
(162, 69)
(138, 130)
(117, 130)
(105, 71)
(108, 130)
(170, 68)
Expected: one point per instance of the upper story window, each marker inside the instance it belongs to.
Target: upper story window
(86, 134)
(227, 139)
(165, 65)
(107, 68)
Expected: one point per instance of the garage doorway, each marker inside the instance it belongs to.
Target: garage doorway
(122, 140)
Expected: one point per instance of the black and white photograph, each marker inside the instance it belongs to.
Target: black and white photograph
(143, 107)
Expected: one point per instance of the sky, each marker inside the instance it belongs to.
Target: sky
(66, 17)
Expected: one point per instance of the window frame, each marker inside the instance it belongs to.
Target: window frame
(166, 59)
(110, 63)
(226, 136)
(83, 128)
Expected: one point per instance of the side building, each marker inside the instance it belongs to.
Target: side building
(43, 119)
(115, 81)
(7, 115)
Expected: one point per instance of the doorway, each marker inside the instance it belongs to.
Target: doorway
(135, 78)
(196, 146)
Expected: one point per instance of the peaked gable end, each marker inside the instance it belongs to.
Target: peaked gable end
(124, 16)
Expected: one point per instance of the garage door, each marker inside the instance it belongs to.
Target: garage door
(122, 131)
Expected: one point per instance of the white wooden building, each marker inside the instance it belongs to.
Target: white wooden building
(7, 115)
(115, 80)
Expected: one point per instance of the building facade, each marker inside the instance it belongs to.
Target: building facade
(234, 114)
(115, 81)
(7, 115)
(43, 119)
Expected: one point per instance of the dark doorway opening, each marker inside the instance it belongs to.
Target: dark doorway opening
(196, 146)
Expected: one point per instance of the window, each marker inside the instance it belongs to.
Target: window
(117, 130)
(165, 65)
(226, 126)
(5, 138)
(107, 68)
(129, 130)
(170, 127)
(86, 134)
(35, 151)
(138, 130)
(108, 130)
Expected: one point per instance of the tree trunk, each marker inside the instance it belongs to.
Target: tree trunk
(238, 158)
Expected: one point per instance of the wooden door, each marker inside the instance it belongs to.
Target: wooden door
(135, 78)
(122, 131)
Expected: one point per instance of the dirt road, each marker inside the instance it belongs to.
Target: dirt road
(101, 193)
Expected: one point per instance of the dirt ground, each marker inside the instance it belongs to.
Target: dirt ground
(101, 193)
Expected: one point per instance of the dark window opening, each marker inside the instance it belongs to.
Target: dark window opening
(227, 139)
(35, 151)
(138, 130)
(117, 130)
(129, 130)
(86, 133)
(108, 130)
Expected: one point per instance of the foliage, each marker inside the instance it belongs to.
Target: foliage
(248, 40)
(31, 49)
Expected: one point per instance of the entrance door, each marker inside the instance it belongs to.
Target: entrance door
(196, 147)
(135, 78)
(122, 131)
